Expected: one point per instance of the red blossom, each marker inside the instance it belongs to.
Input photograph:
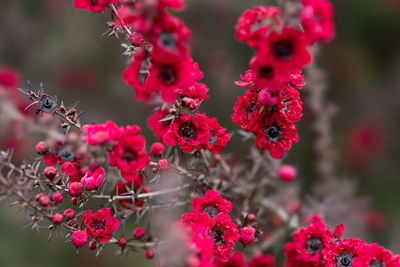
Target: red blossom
(127, 154)
(211, 203)
(276, 137)
(342, 253)
(188, 132)
(100, 134)
(317, 20)
(92, 180)
(307, 245)
(247, 113)
(100, 225)
(256, 22)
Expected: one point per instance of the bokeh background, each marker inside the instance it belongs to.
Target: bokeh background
(49, 41)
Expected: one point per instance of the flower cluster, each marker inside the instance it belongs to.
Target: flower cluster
(163, 71)
(110, 165)
(209, 217)
(316, 245)
(271, 104)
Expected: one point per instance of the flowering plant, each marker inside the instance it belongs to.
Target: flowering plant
(193, 204)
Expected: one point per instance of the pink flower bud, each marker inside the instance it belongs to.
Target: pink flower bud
(57, 197)
(122, 242)
(287, 173)
(50, 172)
(37, 197)
(79, 238)
(251, 217)
(44, 201)
(163, 165)
(42, 148)
(149, 254)
(57, 218)
(74, 201)
(69, 214)
(75, 189)
(136, 39)
(138, 233)
(92, 245)
(246, 235)
(157, 149)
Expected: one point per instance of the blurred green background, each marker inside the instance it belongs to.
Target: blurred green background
(49, 41)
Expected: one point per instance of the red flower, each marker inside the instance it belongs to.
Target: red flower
(255, 23)
(290, 104)
(262, 261)
(307, 244)
(286, 49)
(374, 255)
(341, 254)
(219, 137)
(93, 6)
(280, 55)
(225, 234)
(169, 35)
(276, 137)
(159, 128)
(317, 20)
(100, 224)
(236, 260)
(246, 113)
(196, 91)
(168, 75)
(196, 221)
(212, 203)
(188, 132)
(93, 180)
(193, 234)
(136, 75)
(128, 155)
(100, 134)
(297, 80)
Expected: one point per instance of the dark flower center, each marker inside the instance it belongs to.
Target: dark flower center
(98, 225)
(167, 40)
(94, 2)
(218, 236)
(213, 140)
(211, 211)
(142, 76)
(266, 72)
(250, 109)
(284, 50)
(66, 154)
(344, 260)
(167, 75)
(314, 245)
(273, 133)
(128, 156)
(376, 264)
(47, 104)
(187, 131)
